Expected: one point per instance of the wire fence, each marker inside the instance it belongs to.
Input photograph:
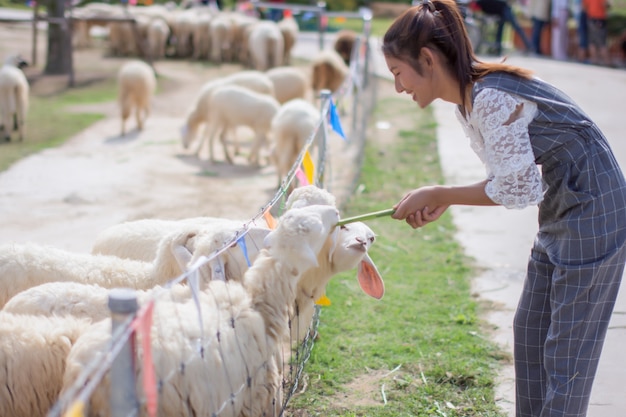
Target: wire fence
(189, 348)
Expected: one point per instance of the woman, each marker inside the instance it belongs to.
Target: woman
(516, 122)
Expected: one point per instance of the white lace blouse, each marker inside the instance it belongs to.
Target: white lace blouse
(498, 131)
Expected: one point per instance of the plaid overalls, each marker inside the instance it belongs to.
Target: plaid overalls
(577, 260)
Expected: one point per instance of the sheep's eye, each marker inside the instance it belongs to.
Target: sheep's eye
(372, 239)
(343, 227)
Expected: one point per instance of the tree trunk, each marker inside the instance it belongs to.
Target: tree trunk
(58, 59)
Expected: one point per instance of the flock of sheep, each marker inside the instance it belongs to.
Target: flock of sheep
(54, 319)
(226, 357)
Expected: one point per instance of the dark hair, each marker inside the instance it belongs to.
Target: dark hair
(438, 25)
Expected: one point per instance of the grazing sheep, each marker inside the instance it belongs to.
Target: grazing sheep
(221, 36)
(14, 90)
(232, 106)
(289, 83)
(182, 28)
(202, 36)
(290, 29)
(200, 112)
(293, 125)
(33, 351)
(136, 85)
(23, 266)
(266, 45)
(158, 32)
(243, 361)
(344, 43)
(241, 27)
(329, 71)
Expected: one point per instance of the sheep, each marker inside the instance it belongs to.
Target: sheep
(81, 300)
(199, 113)
(221, 35)
(157, 35)
(289, 83)
(136, 85)
(201, 36)
(266, 45)
(293, 125)
(140, 239)
(243, 361)
(182, 29)
(232, 106)
(26, 265)
(344, 43)
(329, 71)
(33, 351)
(290, 29)
(14, 91)
(240, 30)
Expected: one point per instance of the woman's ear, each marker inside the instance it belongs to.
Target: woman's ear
(427, 57)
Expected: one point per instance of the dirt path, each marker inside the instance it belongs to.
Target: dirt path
(65, 196)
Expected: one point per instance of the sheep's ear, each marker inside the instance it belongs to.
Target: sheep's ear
(309, 258)
(369, 279)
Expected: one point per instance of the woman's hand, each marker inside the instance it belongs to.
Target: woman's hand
(420, 207)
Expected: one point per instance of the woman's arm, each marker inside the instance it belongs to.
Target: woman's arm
(426, 204)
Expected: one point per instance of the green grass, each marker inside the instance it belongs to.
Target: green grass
(50, 124)
(427, 323)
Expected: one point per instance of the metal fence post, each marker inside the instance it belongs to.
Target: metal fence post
(325, 97)
(123, 395)
(321, 27)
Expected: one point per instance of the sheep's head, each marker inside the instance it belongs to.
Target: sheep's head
(352, 243)
(300, 235)
(309, 195)
(16, 60)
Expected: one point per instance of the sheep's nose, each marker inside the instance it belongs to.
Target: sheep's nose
(361, 240)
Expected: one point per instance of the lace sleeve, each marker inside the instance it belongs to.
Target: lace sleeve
(502, 120)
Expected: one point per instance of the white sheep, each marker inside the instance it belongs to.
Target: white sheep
(80, 300)
(182, 28)
(329, 71)
(202, 36)
(157, 35)
(290, 29)
(241, 25)
(200, 111)
(136, 85)
(140, 239)
(289, 83)
(23, 266)
(266, 45)
(33, 351)
(293, 125)
(233, 106)
(14, 90)
(221, 35)
(243, 362)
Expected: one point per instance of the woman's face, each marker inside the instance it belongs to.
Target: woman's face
(407, 80)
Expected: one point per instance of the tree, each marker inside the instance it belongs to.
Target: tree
(59, 56)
